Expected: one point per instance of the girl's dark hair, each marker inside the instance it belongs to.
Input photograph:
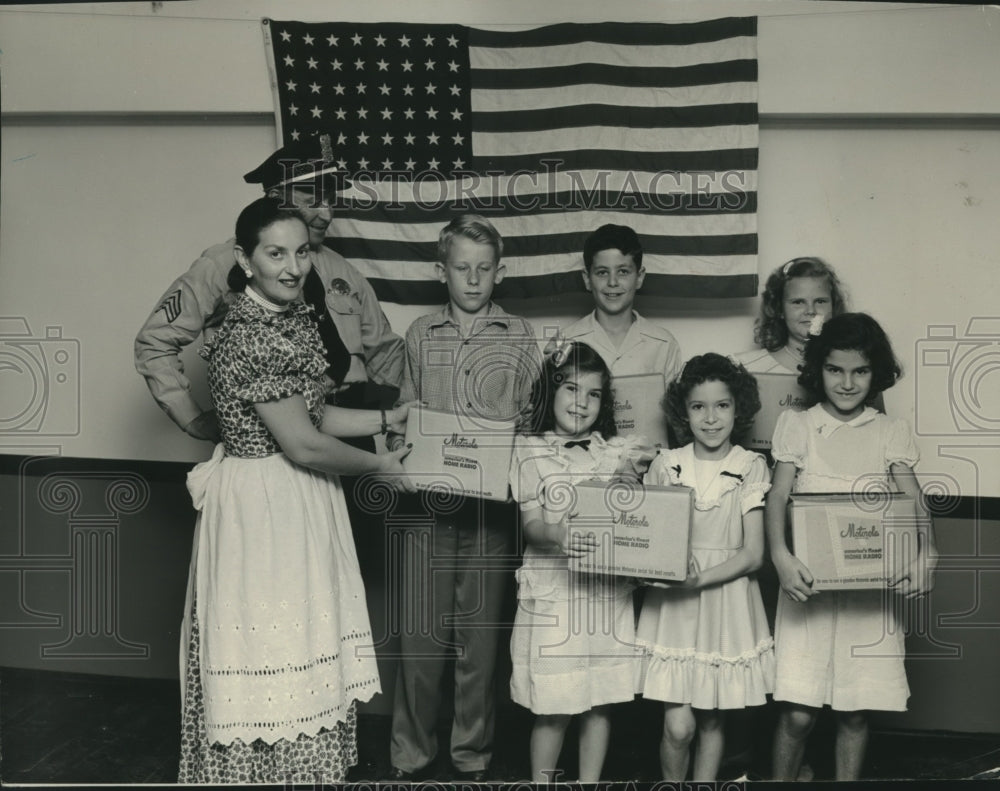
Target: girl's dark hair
(712, 367)
(857, 332)
(556, 369)
(770, 330)
(260, 214)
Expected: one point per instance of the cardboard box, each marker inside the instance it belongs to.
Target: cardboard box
(641, 531)
(778, 392)
(850, 542)
(452, 453)
(637, 407)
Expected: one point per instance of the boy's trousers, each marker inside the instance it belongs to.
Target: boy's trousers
(457, 564)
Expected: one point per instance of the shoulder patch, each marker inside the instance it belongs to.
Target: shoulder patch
(171, 306)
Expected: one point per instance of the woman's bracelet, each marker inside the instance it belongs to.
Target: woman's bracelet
(385, 424)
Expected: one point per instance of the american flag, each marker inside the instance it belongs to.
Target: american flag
(549, 132)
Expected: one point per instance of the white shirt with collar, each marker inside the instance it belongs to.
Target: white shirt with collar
(647, 348)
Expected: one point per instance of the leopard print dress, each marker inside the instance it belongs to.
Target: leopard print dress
(277, 639)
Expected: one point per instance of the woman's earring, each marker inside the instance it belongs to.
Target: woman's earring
(248, 273)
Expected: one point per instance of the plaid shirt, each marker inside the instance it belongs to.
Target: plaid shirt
(487, 374)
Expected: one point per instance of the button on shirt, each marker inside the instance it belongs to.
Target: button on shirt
(488, 373)
(647, 348)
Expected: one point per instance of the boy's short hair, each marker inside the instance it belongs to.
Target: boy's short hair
(612, 237)
(471, 226)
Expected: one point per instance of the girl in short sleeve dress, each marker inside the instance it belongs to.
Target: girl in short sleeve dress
(842, 649)
(572, 646)
(704, 643)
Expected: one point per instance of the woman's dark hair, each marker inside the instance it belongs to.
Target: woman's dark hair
(260, 214)
(770, 330)
(559, 366)
(612, 237)
(712, 367)
(857, 332)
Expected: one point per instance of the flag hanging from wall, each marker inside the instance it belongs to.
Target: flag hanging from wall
(548, 132)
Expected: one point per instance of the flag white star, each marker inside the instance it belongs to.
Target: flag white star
(404, 41)
(342, 164)
(295, 134)
(432, 138)
(291, 85)
(387, 139)
(386, 164)
(456, 115)
(316, 112)
(433, 164)
(432, 113)
(314, 87)
(455, 90)
(336, 65)
(410, 164)
(452, 41)
(332, 40)
(407, 90)
(407, 66)
(313, 63)
(380, 40)
(356, 38)
(363, 164)
(361, 88)
(362, 138)
(428, 40)
(383, 65)
(384, 89)
(362, 112)
(338, 89)
(430, 88)
(409, 138)
(458, 163)
(286, 36)
(359, 64)
(408, 112)
(429, 64)
(341, 140)
(341, 114)
(293, 110)
(307, 40)
(289, 60)
(458, 139)
(452, 66)
(386, 113)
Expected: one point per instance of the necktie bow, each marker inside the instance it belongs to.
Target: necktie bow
(583, 443)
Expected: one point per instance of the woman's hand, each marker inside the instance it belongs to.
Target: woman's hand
(391, 470)
(796, 580)
(396, 417)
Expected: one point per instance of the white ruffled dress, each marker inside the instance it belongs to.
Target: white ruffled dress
(572, 646)
(710, 648)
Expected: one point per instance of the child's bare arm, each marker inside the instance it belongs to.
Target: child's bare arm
(746, 560)
(916, 577)
(795, 578)
(555, 535)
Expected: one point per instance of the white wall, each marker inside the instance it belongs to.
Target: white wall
(126, 131)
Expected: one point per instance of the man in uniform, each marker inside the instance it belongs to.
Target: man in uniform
(365, 356)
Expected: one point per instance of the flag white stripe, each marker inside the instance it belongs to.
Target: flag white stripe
(611, 138)
(635, 56)
(530, 266)
(723, 224)
(488, 100)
